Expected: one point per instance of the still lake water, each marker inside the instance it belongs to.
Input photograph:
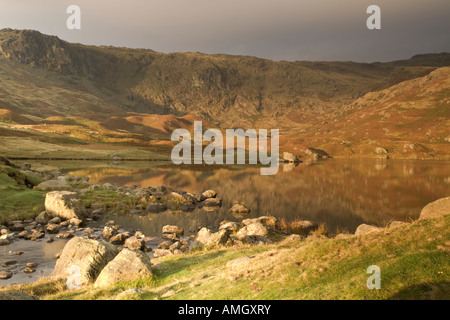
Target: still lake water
(340, 193)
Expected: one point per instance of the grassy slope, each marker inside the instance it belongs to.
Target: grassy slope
(413, 261)
(17, 201)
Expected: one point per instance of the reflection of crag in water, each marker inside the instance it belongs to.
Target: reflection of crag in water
(340, 193)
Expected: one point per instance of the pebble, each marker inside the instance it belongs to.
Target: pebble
(5, 275)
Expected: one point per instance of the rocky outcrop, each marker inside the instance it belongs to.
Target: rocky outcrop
(128, 265)
(436, 209)
(64, 204)
(84, 258)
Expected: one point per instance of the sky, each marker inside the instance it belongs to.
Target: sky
(331, 30)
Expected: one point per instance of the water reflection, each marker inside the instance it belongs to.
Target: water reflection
(340, 193)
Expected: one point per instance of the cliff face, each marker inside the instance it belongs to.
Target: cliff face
(229, 90)
(343, 108)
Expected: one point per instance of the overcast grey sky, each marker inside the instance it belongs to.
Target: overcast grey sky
(273, 29)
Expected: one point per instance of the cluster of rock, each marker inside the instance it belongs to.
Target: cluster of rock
(250, 231)
(173, 244)
(86, 261)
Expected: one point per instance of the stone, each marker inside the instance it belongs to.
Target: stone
(52, 228)
(85, 257)
(16, 295)
(254, 229)
(209, 240)
(43, 218)
(109, 232)
(32, 265)
(265, 220)
(118, 239)
(135, 243)
(212, 202)
(17, 227)
(255, 239)
(54, 185)
(364, 229)
(380, 150)
(176, 245)
(76, 222)
(229, 225)
(164, 245)
(239, 208)
(29, 270)
(55, 220)
(128, 265)
(157, 253)
(4, 274)
(436, 209)
(156, 207)
(64, 204)
(168, 229)
(4, 242)
(289, 157)
(208, 194)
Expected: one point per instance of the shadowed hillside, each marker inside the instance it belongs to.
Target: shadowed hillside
(137, 97)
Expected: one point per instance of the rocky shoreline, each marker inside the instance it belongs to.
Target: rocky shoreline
(94, 242)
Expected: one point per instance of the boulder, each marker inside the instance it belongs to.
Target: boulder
(436, 209)
(208, 194)
(43, 217)
(207, 239)
(168, 229)
(109, 232)
(366, 229)
(135, 243)
(84, 258)
(64, 204)
(265, 220)
(254, 229)
(229, 225)
(157, 253)
(128, 265)
(52, 228)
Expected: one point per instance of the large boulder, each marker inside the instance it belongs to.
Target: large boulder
(436, 209)
(128, 265)
(254, 229)
(205, 238)
(64, 204)
(84, 259)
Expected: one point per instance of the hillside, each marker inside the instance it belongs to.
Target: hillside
(73, 94)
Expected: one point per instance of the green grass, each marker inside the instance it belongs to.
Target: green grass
(17, 199)
(413, 260)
